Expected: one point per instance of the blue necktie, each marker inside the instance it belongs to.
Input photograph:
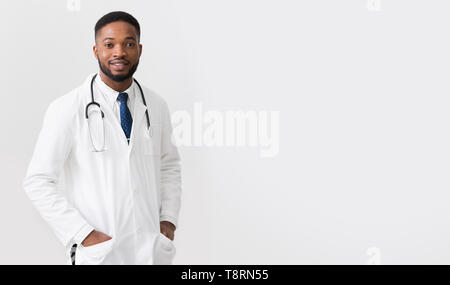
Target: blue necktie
(125, 116)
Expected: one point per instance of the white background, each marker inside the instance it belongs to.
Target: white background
(363, 96)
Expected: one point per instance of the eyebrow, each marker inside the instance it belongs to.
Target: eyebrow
(127, 38)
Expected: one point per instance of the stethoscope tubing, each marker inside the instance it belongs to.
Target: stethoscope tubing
(103, 115)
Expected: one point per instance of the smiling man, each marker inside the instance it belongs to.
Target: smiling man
(117, 49)
(119, 201)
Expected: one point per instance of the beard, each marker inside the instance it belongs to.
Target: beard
(118, 78)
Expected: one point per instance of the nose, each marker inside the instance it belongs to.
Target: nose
(119, 51)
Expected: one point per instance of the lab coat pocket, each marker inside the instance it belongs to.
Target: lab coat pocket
(164, 250)
(152, 140)
(94, 254)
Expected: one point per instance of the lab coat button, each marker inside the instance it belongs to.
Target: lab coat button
(138, 230)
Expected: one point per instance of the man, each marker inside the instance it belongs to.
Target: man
(119, 203)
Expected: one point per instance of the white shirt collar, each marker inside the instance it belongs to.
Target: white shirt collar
(111, 94)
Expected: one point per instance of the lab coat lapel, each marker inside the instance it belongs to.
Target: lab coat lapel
(138, 120)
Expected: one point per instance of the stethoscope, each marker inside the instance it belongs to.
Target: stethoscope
(103, 115)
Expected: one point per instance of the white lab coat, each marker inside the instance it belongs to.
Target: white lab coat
(124, 191)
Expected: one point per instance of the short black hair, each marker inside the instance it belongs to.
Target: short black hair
(117, 16)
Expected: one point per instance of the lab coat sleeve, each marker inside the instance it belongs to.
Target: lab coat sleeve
(170, 172)
(40, 184)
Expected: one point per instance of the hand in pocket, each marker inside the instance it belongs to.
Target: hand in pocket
(94, 238)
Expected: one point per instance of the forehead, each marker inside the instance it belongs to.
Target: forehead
(117, 30)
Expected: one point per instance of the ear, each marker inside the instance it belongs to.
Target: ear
(140, 50)
(95, 50)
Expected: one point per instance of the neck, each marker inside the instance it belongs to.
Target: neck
(118, 86)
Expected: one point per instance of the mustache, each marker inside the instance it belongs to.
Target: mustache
(119, 60)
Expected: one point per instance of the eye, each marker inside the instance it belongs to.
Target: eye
(108, 45)
(131, 44)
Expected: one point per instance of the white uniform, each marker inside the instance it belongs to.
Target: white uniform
(124, 191)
